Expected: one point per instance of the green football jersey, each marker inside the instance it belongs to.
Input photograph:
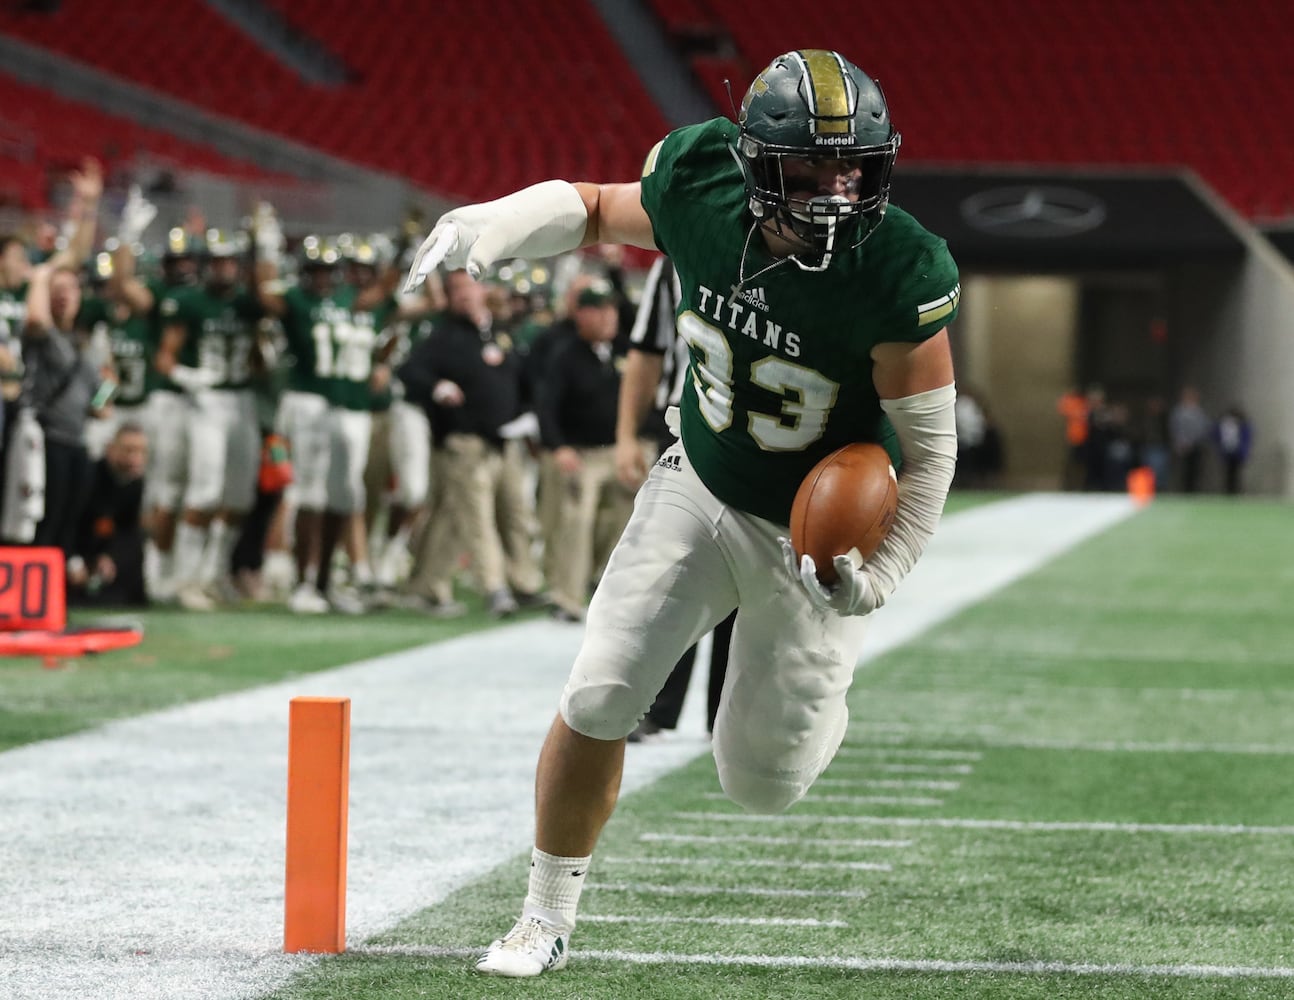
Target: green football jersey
(13, 312)
(378, 318)
(220, 332)
(155, 319)
(127, 334)
(332, 346)
(780, 370)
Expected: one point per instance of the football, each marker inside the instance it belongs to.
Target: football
(846, 503)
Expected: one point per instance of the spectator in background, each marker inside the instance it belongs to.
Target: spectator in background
(1119, 452)
(107, 567)
(1189, 429)
(979, 443)
(17, 520)
(472, 384)
(1233, 436)
(577, 406)
(1151, 438)
(539, 351)
(59, 386)
(1075, 407)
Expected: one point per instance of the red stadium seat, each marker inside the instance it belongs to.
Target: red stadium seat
(470, 100)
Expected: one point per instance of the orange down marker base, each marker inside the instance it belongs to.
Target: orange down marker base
(318, 801)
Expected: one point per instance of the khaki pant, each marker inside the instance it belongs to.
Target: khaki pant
(594, 508)
(377, 473)
(480, 507)
(549, 508)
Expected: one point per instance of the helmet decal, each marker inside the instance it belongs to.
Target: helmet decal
(830, 94)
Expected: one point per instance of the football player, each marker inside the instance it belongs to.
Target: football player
(324, 412)
(167, 407)
(813, 310)
(208, 348)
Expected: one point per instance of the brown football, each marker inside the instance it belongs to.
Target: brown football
(847, 501)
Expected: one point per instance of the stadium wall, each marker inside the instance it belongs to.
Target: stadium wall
(1240, 352)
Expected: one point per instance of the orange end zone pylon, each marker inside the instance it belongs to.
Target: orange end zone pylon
(318, 801)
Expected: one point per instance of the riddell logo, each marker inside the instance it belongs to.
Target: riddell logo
(833, 140)
(754, 297)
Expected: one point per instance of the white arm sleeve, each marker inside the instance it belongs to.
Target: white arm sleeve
(539, 221)
(928, 437)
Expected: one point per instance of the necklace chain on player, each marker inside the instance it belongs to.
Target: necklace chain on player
(742, 277)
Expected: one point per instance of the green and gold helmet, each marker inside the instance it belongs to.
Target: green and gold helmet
(100, 267)
(226, 243)
(319, 252)
(181, 243)
(814, 105)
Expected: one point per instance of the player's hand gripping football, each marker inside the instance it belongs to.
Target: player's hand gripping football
(852, 594)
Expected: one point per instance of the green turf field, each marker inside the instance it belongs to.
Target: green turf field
(187, 656)
(1083, 787)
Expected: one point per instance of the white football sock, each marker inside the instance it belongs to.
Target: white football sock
(555, 887)
(220, 545)
(190, 541)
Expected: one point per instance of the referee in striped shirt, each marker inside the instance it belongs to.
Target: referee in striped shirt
(653, 380)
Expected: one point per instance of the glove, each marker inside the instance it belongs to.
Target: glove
(853, 594)
(136, 215)
(539, 221)
(268, 233)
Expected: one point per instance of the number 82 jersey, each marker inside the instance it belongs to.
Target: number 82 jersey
(780, 370)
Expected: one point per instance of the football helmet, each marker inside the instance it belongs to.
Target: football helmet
(100, 268)
(225, 243)
(804, 108)
(180, 256)
(318, 263)
(181, 243)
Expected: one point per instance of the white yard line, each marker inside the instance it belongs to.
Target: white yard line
(988, 737)
(768, 841)
(714, 862)
(849, 762)
(856, 800)
(852, 749)
(1015, 825)
(144, 859)
(889, 964)
(649, 888)
(923, 784)
(638, 918)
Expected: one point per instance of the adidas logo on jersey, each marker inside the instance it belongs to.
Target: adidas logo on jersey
(754, 297)
(672, 462)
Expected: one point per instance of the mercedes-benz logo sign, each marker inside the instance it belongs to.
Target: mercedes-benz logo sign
(1033, 212)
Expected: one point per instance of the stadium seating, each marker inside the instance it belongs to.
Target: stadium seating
(460, 106)
(1092, 82)
(40, 132)
(473, 101)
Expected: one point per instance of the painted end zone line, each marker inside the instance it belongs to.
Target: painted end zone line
(881, 964)
(1004, 824)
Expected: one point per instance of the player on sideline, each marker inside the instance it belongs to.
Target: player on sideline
(812, 314)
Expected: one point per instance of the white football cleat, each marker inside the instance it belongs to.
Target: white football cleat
(306, 600)
(531, 947)
(192, 597)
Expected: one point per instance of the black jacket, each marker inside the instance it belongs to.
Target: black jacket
(485, 367)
